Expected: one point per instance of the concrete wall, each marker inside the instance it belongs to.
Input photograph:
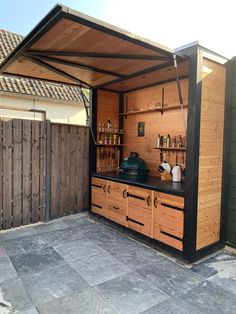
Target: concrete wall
(57, 111)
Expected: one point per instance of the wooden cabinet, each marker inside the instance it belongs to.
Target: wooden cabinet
(99, 196)
(117, 202)
(140, 210)
(168, 219)
(156, 215)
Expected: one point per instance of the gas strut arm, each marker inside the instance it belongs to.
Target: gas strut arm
(85, 100)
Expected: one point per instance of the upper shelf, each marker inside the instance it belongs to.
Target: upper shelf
(152, 110)
(171, 148)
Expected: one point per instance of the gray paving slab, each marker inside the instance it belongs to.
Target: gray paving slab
(87, 302)
(7, 270)
(14, 296)
(52, 225)
(63, 236)
(24, 244)
(209, 298)
(173, 306)
(131, 293)
(75, 250)
(17, 233)
(99, 268)
(208, 267)
(53, 283)
(35, 261)
(170, 277)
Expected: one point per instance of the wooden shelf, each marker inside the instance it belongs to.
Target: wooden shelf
(182, 149)
(105, 132)
(109, 145)
(152, 110)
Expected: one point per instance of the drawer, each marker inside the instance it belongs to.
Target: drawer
(167, 239)
(117, 190)
(98, 209)
(117, 211)
(98, 184)
(139, 219)
(169, 220)
(140, 197)
(169, 199)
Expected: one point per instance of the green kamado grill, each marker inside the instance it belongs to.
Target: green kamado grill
(133, 167)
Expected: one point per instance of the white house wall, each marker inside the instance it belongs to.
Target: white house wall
(56, 111)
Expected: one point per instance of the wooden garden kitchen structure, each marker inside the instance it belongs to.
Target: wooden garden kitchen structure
(135, 80)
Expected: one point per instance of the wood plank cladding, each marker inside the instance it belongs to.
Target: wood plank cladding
(69, 169)
(171, 122)
(211, 153)
(22, 155)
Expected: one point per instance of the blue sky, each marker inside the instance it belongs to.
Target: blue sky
(169, 22)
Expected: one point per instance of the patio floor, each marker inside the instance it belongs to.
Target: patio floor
(78, 265)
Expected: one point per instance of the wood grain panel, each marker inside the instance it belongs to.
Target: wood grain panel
(55, 172)
(211, 153)
(171, 122)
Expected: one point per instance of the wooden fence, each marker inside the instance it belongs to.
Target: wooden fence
(69, 169)
(41, 177)
(22, 169)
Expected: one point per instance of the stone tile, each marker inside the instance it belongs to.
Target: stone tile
(14, 296)
(24, 244)
(35, 261)
(75, 250)
(102, 234)
(208, 298)
(7, 271)
(96, 269)
(172, 306)
(53, 283)
(31, 310)
(56, 224)
(63, 236)
(208, 267)
(170, 277)
(17, 233)
(87, 302)
(131, 293)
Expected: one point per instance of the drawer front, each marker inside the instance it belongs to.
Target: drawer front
(117, 190)
(169, 199)
(98, 202)
(117, 211)
(169, 240)
(98, 209)
(169, 220)
(140, 197)
(139, 219)
(99, 185)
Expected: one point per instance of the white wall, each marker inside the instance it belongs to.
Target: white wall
(57, 111)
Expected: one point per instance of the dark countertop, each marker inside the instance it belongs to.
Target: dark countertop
(151, 183)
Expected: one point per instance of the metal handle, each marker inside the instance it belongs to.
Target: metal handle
(149, 200)
(109, 189)
(125, 193)
(155, 202)
(104, 188)
(115, 207)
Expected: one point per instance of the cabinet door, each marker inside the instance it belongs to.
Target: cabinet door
(140, 210)
(99, 196)
(117, 190)
(168, 219)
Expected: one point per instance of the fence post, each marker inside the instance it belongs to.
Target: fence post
(48, 172)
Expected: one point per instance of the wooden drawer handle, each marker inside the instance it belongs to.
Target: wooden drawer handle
(115, 207)
(104, 188)
(125, 194)
(135, 221)
(149, 200)
(136, 196)
(155, 202)
(171, 206)
(109, 189)
(171, 235)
